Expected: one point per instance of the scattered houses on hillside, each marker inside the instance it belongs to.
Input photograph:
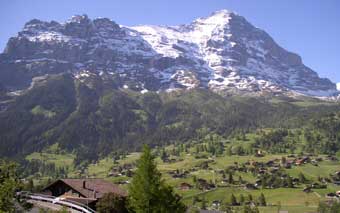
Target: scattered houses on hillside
(204, 185)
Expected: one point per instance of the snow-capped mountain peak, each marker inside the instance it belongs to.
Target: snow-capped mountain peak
(222, 52)
(217, 19)
(78, 19)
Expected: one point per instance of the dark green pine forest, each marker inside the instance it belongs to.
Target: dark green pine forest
(93, 119)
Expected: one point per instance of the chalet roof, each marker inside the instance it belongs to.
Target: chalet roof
(300, 161)
(94, 188)
(185, 184)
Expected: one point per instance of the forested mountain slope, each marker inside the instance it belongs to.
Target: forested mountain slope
(95, 117)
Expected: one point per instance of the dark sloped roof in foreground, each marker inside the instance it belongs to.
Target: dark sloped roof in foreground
(92, 187)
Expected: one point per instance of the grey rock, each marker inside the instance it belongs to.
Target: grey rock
(222, 52)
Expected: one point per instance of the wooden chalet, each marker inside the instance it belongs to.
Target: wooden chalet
(331, 195)
(299, 162)
(85, 191)
(216, 204)
(204, 185)
(307, 189)
(185, 186)
(250, 186)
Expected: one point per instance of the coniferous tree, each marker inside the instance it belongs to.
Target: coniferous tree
(204, 204)
(229, 151)
(111, 203)
(302, 178)
(164, 155)
(240, 180)
(148, 193)
(263, 183)
(223, 175)
(242, 199)
(233, 200)
(290, 182)
(262, 200)
(230, 178)
(8, 185)
(250, 197)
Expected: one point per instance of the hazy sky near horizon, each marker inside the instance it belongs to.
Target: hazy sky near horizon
(309, 28)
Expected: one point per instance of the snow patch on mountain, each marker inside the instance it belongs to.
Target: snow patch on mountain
(222, 52)
(338, 86)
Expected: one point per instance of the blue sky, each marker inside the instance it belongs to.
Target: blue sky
(310, 28)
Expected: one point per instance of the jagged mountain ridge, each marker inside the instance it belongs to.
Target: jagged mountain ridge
(222, 52)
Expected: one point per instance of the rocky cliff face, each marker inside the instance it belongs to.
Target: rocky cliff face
(222, 52)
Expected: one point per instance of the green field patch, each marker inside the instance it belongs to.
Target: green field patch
(39, 110)
(285, 197)
(60, 160)
(323, 169)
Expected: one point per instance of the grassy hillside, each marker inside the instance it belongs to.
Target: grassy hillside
(293, 199)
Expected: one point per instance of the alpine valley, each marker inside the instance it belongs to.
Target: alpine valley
(229, 121)
(93, 86)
